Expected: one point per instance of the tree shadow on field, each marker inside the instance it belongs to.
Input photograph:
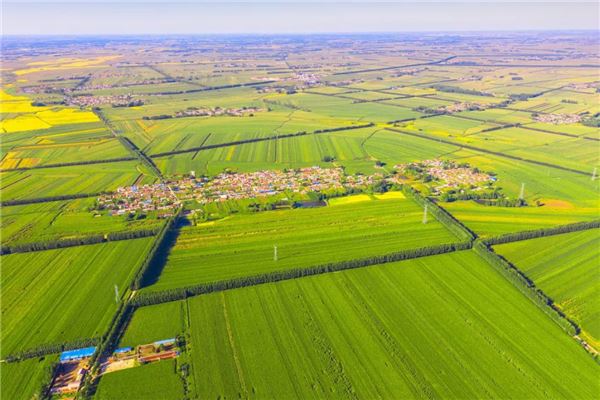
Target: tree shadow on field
(158, 262)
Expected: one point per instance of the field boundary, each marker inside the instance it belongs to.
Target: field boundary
(77, 241)
(19, 202)
(70, 164)
(543, 232)
(528, 288)
(151, 298)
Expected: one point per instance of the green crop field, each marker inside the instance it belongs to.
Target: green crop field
(151, 324)
(103, 139)
(443, 326)
(153, 382)
(57, 296)
(242, 245)
(24, 380)
(63, 219)
(71, 180)
(566, 268)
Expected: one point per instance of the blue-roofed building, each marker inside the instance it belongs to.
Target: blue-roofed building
(123, 350)
(77, 354)
(166, 341)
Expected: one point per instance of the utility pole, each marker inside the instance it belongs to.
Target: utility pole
(594, 173)
(522, 194)
(425, 214)
(275, 253)
(116, 294)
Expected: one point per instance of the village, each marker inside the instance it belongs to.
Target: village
(166, 197)
(445, 175)
(558, 119)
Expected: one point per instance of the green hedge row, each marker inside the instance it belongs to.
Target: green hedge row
(536, 233)
(145, 299)
(46, 349)
(440, 214)
(78, 241)
(527, 287)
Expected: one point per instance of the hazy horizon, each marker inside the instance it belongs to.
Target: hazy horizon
(158, 17)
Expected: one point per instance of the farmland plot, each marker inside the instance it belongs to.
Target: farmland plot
(446, 326)
(71, 180)
(565, 267)
(23, 380)
(63, 219)
(242, 245)
(58, 296)
(156, 381)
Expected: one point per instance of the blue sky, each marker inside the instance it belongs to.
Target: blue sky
(187, 16)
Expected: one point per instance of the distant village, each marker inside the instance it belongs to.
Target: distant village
(558, 119)
(208, 112)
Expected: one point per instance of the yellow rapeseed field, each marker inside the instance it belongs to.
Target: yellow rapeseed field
(64, 63)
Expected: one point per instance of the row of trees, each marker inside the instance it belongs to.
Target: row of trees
(77, 241)
(50, 198)
(440, 214)
(46, 349)
(145, 299)
(536, 233)
(71, 164)
(527, 287)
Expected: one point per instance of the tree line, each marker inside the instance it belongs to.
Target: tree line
(537, 233)
(70, 164)
(77, 241)
(19, 202)
(527, 287)
(146, 299)
(45, 349)
(445, 218)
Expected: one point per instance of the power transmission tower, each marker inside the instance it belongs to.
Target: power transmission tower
(116, 294)
(425, 214)
(274, 253)
(522, 194)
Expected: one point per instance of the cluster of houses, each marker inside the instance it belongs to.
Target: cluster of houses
(216, 111)
(558, 119)
(131, 199)
(236, 186)
(446, 174)
(166, 197)
(122, 100)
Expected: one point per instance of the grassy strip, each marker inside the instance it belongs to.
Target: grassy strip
(145, 299)
(496, 153)
(537, 233)
(263, 139)
(77, 241)
(527, 287)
